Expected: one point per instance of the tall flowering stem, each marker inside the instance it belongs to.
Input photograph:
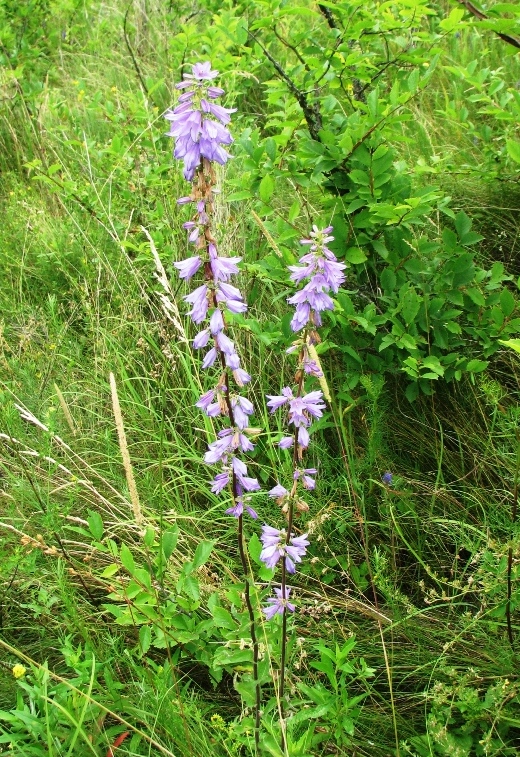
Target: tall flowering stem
(322, 274)
(199, 126)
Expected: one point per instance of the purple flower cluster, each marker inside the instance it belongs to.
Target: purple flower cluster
(276, 545)
(198, 124)
(301, 410)
(323, 273)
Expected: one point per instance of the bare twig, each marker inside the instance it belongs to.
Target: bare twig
(509, 38)
(129, 48)
(311, 113)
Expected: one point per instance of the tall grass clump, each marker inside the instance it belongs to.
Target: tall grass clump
(259, 403)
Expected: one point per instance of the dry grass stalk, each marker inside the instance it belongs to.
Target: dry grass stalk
(123, 446)
(65, 408)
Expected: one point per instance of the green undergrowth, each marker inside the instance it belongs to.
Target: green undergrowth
(401, 642)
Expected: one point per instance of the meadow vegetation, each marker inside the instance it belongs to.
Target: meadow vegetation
(123, 629)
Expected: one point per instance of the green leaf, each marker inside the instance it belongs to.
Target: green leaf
(143, 576)
(355, 205)
(453, 20)
(223, 618)
(254, 548)
(294, 211)
(412, 391)
(513, 150)
(414, 266)
(360, 177)
(471, 238)
(241, 31)
(266, 188)
(410, 304)
(476, 366)
(462, 223)
(413, 81)
(514, 344)
(408, 342)
(434, 365)
(127, 559)
(388, 280)
(355, 255)
(145, 639)
(247, 691)
(346, 142)
(507, 302)
(169, 541)
(202, 553)
(110, 571)
(476, 296)
(149, 537)
(449, 239)
(380, 248)
(190, 586)
(95, 524)
(270, 148)
(243, 194)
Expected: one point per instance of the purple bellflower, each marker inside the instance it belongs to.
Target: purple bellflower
(301, 410)
(323, 273)
(197, 124)
(276, 546)
(277, 605)
(320, 273)
(199, 127)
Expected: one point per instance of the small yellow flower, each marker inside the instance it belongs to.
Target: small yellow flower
(19, 671)
(217, 721)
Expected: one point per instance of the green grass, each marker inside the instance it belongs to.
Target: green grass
(78, 299)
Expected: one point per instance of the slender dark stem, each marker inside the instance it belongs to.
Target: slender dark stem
(282, 656)
(311, 113)
(290, 517)
(510, 38)
(251, 614)
(328, 15)
(510, 550)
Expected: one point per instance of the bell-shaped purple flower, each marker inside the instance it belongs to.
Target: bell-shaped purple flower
(276, 546)
(278, 491)
(238, 508)
(199, 301)
(220, 482)
(198, 124)
(323, 272)
(279, 604)
(189, 267)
